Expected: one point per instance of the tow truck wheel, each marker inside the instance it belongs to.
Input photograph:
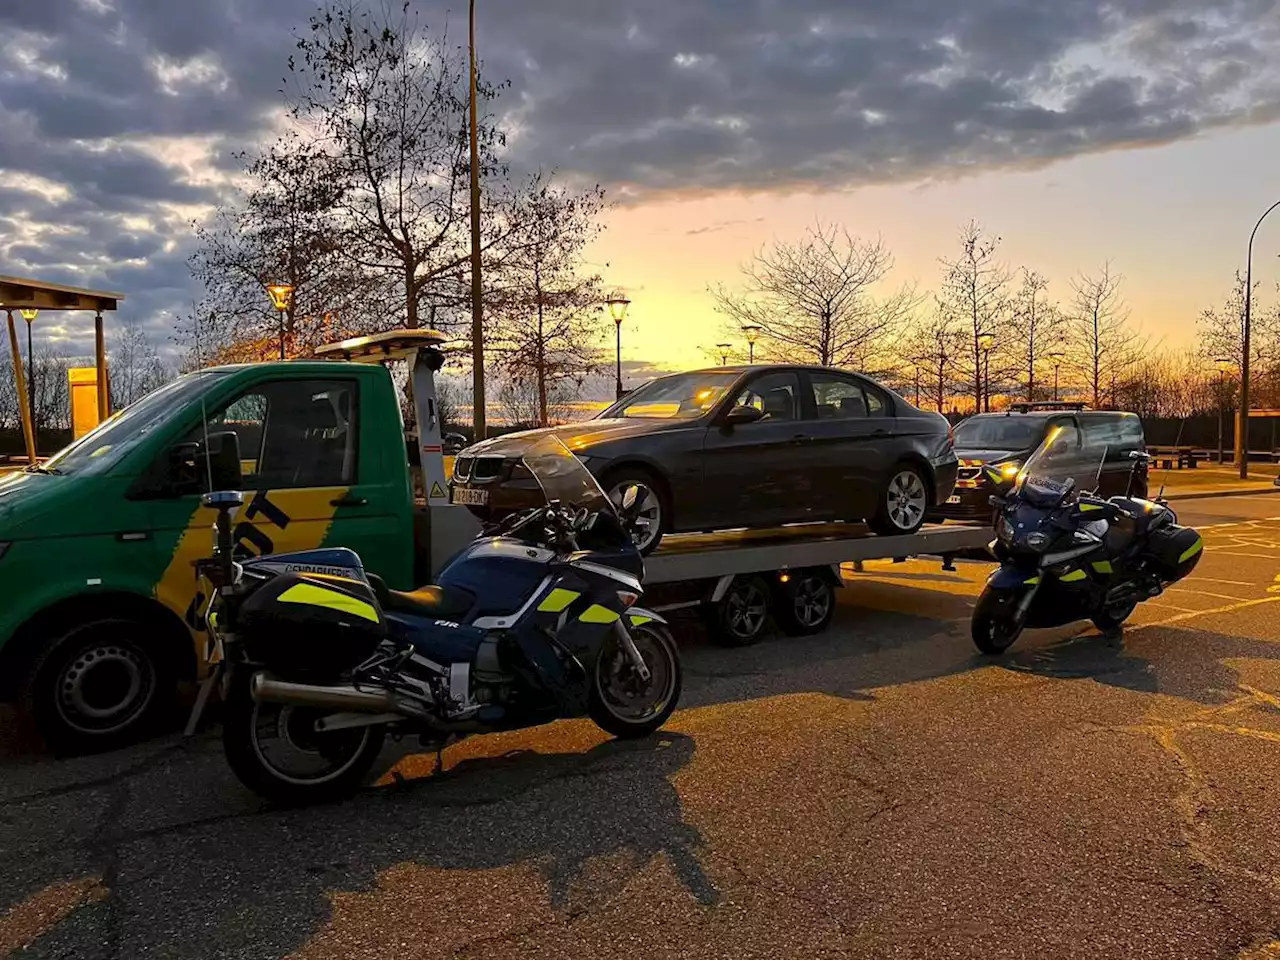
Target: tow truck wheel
(98, 686)
(739, 619)
(804, 604)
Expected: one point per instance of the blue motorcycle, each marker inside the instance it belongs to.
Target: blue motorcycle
(534, 621)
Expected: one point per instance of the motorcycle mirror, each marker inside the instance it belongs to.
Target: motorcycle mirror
(629, 496)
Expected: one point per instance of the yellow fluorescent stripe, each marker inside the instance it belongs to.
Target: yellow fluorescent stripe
(331, 599)
(598, 614)
(1033, 580)
(640, 621)
(1102, 566)
(557, 600)
(1192, 550)
(1073, 576)
(1085, 507)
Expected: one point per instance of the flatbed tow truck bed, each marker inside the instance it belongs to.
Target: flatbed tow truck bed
(738, 578)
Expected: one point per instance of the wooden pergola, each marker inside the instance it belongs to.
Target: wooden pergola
(21, 293)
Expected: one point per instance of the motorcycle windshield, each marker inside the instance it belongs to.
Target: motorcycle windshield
(559, 473)
(1042, 476)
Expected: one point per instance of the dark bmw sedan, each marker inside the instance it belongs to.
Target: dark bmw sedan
(756, 446)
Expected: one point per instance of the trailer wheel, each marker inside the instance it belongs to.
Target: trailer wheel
(740, 617)
(805, 603)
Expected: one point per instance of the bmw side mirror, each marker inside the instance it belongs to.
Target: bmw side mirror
(743, 414)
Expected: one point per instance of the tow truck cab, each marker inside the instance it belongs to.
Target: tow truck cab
(98, 620)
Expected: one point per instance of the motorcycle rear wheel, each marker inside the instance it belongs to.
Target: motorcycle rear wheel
(994, 626)
(1113, 618)
(626, 706)
(346, 755)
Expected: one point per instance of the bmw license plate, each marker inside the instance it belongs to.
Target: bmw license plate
(468, 497)
(954, 499)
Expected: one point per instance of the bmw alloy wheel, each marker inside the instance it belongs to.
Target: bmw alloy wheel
(648, 513)
(907, 499)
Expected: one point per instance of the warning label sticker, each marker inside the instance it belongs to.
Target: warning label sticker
(436, 490)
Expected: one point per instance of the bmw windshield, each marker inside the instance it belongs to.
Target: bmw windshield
(685, 396)
(559, 473)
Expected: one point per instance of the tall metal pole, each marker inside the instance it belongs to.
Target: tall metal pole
(751, 351)
(20, 383)
(986, 380)
(1242, 417)
(477, 296)
(31, 388)
(618, 390)
(1056, 367)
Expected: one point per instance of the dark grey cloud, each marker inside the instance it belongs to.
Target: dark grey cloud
(98, 97)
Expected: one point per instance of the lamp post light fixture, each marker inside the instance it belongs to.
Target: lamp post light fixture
(752, 333)
(1056, 356)
(1242, 415)
(618, 304)
(282, 300)
(1223, 366)
(30, 315)
(725, 349)
(986, 341)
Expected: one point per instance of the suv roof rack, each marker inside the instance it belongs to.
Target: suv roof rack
(1025, 407)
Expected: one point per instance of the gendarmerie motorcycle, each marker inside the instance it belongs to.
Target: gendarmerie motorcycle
(1066, 557)
(534, 621)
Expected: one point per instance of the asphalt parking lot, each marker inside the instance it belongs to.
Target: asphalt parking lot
(876, 791)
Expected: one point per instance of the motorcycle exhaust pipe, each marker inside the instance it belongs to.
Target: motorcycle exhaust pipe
(264, 690)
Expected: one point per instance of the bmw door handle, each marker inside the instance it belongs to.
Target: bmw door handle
(801, 438)
(347, 500)
(879, 432)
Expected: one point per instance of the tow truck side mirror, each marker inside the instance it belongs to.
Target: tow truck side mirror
(193, 468)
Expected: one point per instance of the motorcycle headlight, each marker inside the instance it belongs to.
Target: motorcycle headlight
(1009, 470)
(1004, 530)
(1037, 541)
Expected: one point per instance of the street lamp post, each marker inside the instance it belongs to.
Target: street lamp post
(30, 316)
(618, 304)
(725, 349)
(1223, 365)
(1242, 416)
(282, 300)
(752, 332)
(1056, 356)
(477, 296)
(986, 341)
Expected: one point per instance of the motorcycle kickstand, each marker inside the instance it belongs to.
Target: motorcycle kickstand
(202, 699)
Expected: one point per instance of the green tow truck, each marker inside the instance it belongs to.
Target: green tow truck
(98, 592)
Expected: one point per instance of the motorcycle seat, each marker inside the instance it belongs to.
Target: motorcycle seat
(429, 601)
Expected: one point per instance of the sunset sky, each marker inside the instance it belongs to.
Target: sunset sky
(1144, 132)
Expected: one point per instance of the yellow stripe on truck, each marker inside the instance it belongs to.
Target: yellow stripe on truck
(313, 596)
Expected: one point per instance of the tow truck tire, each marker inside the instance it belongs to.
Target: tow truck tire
(99, 686)
(902, 503)
(740, 617)
(805, 604)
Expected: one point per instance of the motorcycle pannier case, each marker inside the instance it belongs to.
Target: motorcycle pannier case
(1175, 550)
(309, 624)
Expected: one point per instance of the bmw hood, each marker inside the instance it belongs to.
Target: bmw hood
(582, 436)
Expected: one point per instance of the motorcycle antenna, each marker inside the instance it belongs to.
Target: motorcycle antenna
(1097, 478)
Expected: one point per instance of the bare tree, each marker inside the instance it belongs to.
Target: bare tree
(1037, 324)
(521, 401)
(135, 365)
(546, 312)
(1105, 349)
(1222, 337)
(9, 418)
(813, 299)
(932, 347)
(975, 294)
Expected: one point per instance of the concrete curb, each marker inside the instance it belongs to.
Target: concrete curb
(1208, 494)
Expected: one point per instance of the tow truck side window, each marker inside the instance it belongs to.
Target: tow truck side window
(293, 433)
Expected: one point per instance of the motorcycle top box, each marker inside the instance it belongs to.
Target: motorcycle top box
(311, 623)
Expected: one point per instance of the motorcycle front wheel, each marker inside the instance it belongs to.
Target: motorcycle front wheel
(995, 625)
(621, 702)
(275, 751)
(1113, 618)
